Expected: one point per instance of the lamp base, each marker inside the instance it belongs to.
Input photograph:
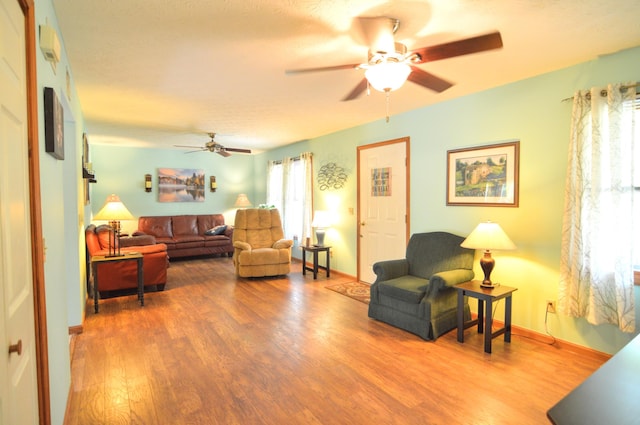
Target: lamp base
(320, 237)
(487, 263)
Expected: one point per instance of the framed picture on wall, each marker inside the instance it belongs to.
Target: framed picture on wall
(85, 168)
(180, 185)
(484, 175)
(53, 124)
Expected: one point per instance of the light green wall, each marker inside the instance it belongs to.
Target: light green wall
(531, 111)
(62, 218)
(121, 170)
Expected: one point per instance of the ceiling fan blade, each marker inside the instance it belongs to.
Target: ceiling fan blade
(238, 150)
(194, 147)
(357, 91)
(322, 68)
(430, 81)
(223, 153)
(459, 48)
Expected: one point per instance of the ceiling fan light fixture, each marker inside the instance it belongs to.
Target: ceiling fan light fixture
(387, 76)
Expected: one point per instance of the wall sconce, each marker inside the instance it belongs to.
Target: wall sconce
(147, 182)
(212, 183)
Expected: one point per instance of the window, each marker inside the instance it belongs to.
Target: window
(289, 189)
(601, 223)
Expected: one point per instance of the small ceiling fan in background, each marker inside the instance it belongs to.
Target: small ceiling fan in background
(390, 64)
(213, 146)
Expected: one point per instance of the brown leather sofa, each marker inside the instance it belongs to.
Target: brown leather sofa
(189, 235)
(124, 275)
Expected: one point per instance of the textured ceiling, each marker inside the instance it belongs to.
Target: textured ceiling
(165, 72)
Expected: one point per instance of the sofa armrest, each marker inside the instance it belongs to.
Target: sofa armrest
(138, 240)
(282, 243)
(229, 231)
(243, 246)
(390, 269)
(448, 279)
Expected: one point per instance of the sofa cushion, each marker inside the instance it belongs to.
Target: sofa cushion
(137, 240)
(407, 288)
(146, 249)
(218, 230)
(160, 227)
(209, 221)
(187, 238)
(185, 225)
(218, 240)
(262, 256)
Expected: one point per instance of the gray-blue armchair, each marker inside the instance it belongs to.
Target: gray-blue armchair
(418, 293)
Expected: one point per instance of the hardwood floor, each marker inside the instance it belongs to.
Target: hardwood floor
(213, 349)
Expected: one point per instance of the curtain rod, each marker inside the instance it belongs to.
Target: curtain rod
(279, 161)
(603, 92)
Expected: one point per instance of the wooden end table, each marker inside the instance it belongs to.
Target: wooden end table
(315, 250)
(486, 297)
(129, 256)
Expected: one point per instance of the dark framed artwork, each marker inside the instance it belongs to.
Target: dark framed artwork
(484, 175)
(85, 168)
(53, 124)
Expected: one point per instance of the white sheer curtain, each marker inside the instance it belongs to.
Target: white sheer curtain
(289, 188)
(274, 184)
(601, 215)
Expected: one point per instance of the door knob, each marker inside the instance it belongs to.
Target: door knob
(362, 223)
(16, 348)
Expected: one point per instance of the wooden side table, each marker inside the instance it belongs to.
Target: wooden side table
(315, 250)
(129, 256)
(486, 297)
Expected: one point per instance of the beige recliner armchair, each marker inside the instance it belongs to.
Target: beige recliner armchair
(260, 248)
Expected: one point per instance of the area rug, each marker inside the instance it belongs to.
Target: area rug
(356, 290)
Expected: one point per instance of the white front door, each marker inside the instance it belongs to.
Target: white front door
(18, 374)
(383, 193)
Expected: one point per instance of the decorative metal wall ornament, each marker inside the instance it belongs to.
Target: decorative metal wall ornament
(331, 176)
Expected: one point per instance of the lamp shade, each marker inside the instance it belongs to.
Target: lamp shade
(113, 209)
(321, 220)
(488, 236)
(387, 76)
(242, 201)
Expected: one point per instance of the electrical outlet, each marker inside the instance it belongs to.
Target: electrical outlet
(551, 306)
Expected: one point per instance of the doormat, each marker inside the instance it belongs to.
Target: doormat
(356, 290)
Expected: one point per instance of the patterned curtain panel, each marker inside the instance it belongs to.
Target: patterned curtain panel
(602, 212)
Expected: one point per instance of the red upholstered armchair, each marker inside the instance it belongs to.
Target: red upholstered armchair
(124, 274)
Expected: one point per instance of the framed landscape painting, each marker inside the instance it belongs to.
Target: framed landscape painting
(484, 175)
(180, 185)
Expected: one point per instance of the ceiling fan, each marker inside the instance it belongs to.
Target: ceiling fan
(390, 64)
(213, 146)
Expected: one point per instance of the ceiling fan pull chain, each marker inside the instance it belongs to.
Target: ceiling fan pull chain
(387, 101)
